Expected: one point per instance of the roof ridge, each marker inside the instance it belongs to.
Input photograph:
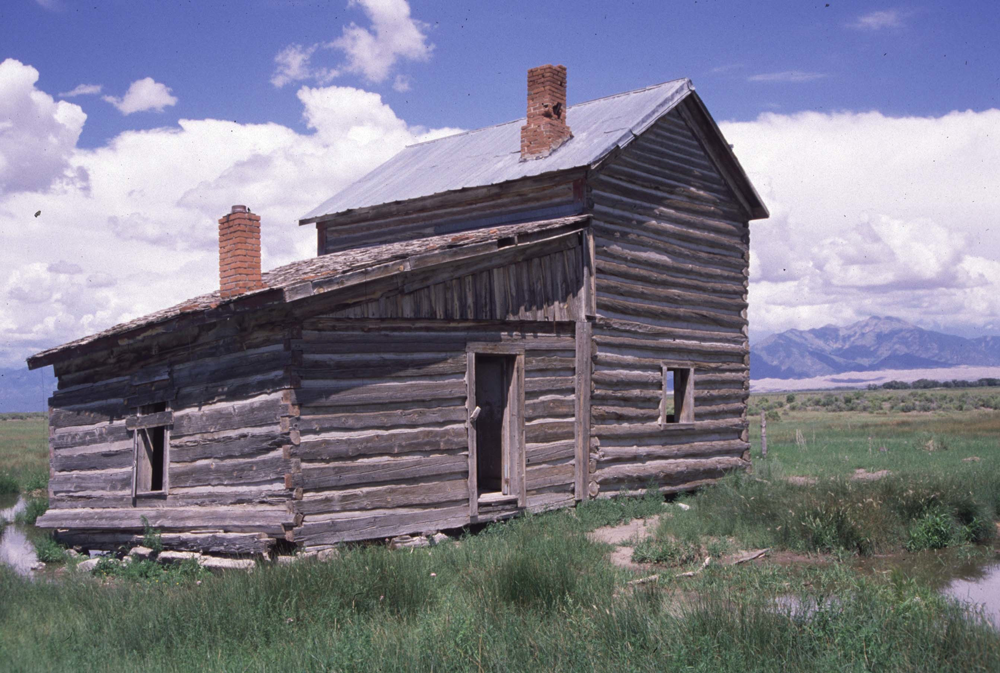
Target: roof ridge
(568, 109)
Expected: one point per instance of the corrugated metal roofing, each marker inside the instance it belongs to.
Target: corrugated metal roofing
(492, 155)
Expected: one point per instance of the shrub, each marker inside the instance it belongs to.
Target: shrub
(151, 537)
(934, 531)
(666, 551)
(790, 398)
(49, 551)
(8, 484)
(34, 508)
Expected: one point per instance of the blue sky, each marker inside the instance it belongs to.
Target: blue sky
(871, 130)
(218, 57)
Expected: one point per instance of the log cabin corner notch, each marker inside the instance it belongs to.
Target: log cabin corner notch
(475, 338)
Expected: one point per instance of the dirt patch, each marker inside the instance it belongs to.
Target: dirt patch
(633, 531)
(862, 474)
(622, 557)
(802, 481)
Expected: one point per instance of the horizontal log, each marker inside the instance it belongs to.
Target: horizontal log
(536, 454)
(258, 519)
(99, 480)
(233, 389)
(372, 524)
(606, 299)
(549, 384)
(548, 431)
(382, 393)
(653, 429)
(607, 246)
(235, 444)
(672, 345)
(231, 472)
(419, 440)
(349, 473)
(77, 437)
(229, 416)
(381, 497)
(608, 455)
(668, 472)
(91, 499)
(120, 457)
(548, 476)
(149, 420)
(229, 544)
(324, 367)
(550, 407)
(547, 501)
(615, 361)
(105, 411)
(380, 420)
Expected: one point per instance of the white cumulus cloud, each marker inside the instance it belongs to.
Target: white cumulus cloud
(37, 134)
(143, 95)
(878, 20)
(873, 215)
(370, 52)
(82, 90)
(131, 226)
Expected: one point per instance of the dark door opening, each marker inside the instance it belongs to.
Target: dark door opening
(493, 378)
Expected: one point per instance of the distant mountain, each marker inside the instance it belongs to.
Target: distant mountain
(23, 390)
(870, 345)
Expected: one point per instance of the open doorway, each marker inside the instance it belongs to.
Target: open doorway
(494, 374)
(496, 428)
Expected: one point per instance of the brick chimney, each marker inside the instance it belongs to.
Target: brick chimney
(239, 253)
(546, 129)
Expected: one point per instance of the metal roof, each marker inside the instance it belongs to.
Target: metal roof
(492, 155)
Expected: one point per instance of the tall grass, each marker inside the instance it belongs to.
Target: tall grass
(907, 510)
(532, 594)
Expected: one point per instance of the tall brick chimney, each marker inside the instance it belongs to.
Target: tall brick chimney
(546, 129)
(239, 253)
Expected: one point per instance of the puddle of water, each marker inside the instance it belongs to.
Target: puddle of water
(972, 581)
(10, 505)
(16, 550)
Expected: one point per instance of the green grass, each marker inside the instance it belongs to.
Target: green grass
(24, 453)
(537, 594)
(531, 594)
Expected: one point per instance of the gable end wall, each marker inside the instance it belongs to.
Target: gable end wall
(671, 248)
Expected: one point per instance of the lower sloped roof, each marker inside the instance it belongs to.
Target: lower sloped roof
(320, 275)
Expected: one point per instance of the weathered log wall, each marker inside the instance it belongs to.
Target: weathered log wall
(529, 199)
(227, 391)
(671, 265)
(383, 436)
(527, 286)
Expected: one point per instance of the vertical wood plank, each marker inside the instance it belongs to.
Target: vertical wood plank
(470, 406)
(583, 378)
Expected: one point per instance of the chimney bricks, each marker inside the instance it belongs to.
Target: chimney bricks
(239, 253)
(546, 127)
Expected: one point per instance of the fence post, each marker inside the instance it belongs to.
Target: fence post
(763, 434)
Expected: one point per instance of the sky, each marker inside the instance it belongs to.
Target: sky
(871, 130)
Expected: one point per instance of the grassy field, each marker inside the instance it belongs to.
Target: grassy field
(537, 593)
(24, 452)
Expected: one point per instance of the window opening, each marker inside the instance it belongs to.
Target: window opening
(677, 404)
(151, 452)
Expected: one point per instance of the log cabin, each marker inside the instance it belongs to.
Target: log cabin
(511, 319)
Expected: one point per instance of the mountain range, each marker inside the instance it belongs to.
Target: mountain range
(870, 345)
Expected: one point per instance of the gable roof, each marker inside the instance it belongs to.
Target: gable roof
(491, 155)
(324, 274)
